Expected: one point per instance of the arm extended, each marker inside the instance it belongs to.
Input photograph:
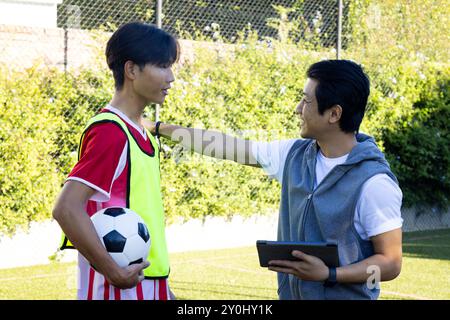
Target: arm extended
(208, 142)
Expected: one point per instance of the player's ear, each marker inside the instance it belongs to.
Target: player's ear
(130, 70)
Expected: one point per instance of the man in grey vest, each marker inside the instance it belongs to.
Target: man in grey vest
(336, 187)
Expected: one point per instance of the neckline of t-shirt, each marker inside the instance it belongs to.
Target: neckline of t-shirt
(127, 120)
(337, 160)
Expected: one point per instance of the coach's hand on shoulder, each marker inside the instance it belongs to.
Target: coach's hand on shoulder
(128, 277)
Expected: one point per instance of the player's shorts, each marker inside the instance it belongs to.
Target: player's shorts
(93, 286)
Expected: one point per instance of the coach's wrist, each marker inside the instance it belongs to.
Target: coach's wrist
(149, 125)
(332, 277)
(157, 128)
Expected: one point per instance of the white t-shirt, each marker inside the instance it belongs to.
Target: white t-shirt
(378, 208)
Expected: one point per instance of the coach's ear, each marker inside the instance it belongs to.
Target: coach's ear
(129, 70)
(334, 114)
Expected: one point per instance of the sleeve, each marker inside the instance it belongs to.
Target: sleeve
(378, 208)
(272, 156)
(101, 158)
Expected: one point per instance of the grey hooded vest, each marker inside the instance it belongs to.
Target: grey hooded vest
(325, 214)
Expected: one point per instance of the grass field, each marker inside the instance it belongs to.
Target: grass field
(235, 274)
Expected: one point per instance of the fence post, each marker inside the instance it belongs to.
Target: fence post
(66, 43)
(339, 30)
(158, 13)
(159, 24)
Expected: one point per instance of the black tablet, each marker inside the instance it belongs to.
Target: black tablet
(276, 250)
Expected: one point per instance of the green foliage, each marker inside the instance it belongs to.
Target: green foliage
(77, 96)
(377, 27)
(42, 113)
(28, 123)
(404, 47)
(419, 147)
(248, 89)
(408, 114)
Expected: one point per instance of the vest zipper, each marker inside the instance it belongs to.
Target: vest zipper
(302, 234)
(308, 200)
(302, 238)
(308, 203)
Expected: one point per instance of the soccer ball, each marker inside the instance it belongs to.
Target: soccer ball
(124, 235)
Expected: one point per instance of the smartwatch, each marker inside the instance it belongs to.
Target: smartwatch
(158, 123)
(332, 280)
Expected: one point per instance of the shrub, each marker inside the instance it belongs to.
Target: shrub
(28, 175)
(250, 89)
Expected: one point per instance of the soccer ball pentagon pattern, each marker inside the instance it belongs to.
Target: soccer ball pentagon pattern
(124, 235)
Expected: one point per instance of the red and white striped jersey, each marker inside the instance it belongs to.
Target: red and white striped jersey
(103, 166)
(93, 286)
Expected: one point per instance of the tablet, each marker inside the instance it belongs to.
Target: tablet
(276, 250)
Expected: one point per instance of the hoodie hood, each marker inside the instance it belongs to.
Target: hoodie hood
(366, 149)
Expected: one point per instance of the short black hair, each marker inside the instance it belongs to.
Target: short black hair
(141, 43)
(341, 82)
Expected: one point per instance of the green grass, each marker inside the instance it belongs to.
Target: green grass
(235, 274)
(426, 265)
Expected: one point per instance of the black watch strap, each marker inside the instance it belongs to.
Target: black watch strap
(158, 123)
(332, 279)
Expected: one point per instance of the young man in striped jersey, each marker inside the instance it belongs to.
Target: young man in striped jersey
(118, 165)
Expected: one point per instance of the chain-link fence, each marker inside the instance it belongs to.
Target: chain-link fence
(71, 35)
(227, 18)
(209, 18)
(306, 21)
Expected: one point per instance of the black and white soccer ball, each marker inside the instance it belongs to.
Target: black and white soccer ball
(124, 235)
